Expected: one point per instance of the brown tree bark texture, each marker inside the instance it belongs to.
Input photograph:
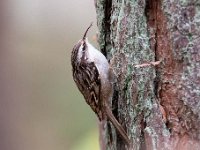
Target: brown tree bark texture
(159, 107)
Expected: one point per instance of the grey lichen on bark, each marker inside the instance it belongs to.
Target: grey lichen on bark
(158, 106)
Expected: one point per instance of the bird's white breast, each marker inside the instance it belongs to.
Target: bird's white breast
(99, 59)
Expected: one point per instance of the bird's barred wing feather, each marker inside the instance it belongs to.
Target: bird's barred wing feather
(87, 79)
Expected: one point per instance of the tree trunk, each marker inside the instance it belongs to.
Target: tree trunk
(158, 106)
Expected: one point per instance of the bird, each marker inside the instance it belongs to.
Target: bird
(92, 74)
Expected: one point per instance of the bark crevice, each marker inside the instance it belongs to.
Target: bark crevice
(106, 25)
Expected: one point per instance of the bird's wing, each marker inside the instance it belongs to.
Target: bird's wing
(88, 81)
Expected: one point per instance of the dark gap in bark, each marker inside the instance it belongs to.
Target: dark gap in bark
(120, 145)
(168, 126)
(119, 140)
(110, 133)
(107, 14)
(115, 102)
(151, 15)
(142, 136)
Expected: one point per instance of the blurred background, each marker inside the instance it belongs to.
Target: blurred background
(40, 106)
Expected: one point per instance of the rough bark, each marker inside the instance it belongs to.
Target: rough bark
(159, 107)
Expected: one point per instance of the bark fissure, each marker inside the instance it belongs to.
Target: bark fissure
(151, 12)
(106, 25)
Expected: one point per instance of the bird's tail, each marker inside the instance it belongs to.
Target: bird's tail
(117, 125)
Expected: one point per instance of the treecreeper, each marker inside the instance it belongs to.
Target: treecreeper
(92, 75)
